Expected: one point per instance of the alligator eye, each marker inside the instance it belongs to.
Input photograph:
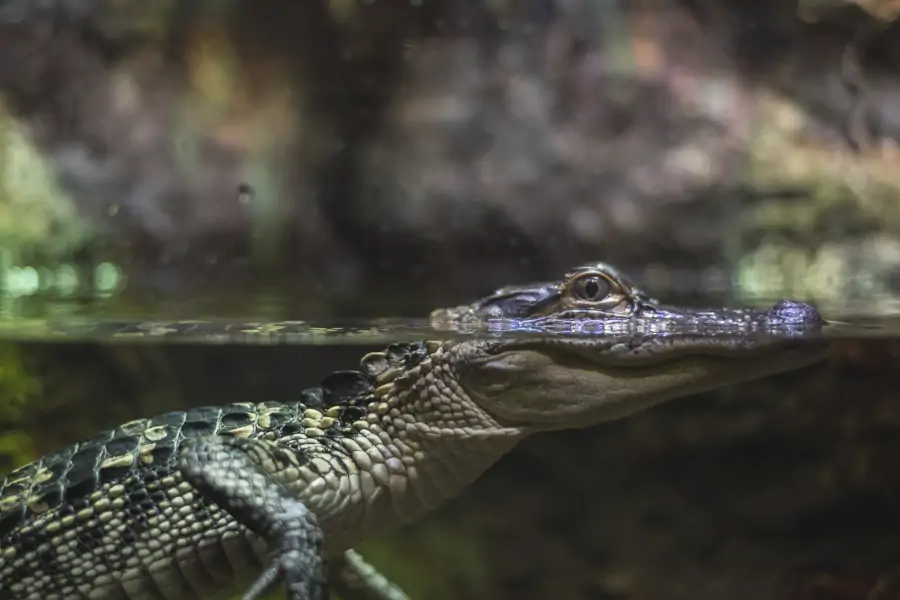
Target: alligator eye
(592, 288)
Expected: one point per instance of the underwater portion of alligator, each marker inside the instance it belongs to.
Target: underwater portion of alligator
(214, 501)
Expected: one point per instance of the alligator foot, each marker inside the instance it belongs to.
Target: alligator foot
(232, 472)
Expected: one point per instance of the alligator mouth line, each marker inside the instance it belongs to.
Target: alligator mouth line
(629, 352)
(731, 363)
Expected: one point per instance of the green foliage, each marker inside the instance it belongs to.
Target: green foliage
(18, 388)
(35, 214)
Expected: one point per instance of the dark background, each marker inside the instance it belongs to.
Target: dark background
(353, 151)
(360, 159)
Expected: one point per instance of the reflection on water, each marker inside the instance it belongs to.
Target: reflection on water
(91, 323)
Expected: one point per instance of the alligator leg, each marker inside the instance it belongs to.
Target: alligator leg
(355, 579)
(232, 472)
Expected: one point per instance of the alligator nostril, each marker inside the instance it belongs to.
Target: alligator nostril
(796, 312)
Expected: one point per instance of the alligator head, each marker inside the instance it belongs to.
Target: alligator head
(593, 347)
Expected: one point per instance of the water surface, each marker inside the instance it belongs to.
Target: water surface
(65, 321)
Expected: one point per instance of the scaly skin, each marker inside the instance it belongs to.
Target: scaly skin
(206, 502)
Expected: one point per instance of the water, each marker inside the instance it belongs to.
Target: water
(383, 331)
(350, 332)
(795, 466)
(99, 322)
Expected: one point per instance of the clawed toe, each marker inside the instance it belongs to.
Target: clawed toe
(298, 583)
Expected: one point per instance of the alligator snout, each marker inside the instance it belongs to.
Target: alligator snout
(792, 312)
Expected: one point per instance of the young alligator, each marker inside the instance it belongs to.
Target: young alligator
(203, 503)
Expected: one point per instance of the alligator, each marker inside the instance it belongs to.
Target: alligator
(204, 503)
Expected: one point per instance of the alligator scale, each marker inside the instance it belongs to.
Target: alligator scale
(214, 501)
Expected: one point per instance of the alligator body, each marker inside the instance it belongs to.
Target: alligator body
(212, 501)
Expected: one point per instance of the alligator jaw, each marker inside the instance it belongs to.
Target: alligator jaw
(540, 387)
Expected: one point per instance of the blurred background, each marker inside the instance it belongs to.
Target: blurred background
(338, 154)
(332, 159)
